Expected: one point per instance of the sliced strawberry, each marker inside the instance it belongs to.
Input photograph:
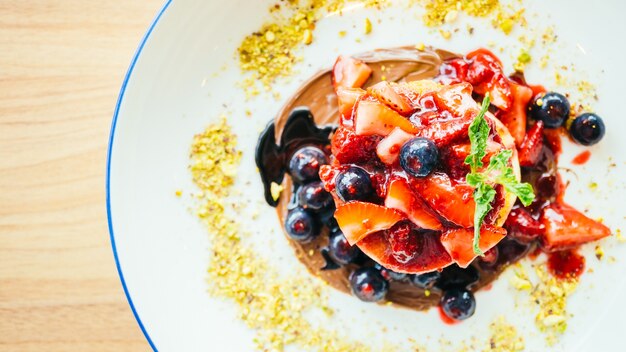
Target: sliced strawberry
(530, 148)
(446, 132)
(359, 219)
(400, 196)
(388, 150)
(522, 226)
(454, 158)
(515, 118)
(386, 93)
(429, 254)
(460, 242)
(457, 99)
(373, 117)
(350, 148)
(453, 202)
(349, 72)
(403, 241)
(328, 174)
(485, 74)
(566, 227)
(347, 98)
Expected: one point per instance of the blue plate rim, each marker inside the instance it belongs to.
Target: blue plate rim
(120, 98)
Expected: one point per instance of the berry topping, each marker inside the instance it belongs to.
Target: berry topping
(368, 284)
(349, 72)
(350, 148)
(373, 117)
(457, 277)
(346, 99)
(305, 164)
(354, 184)
(403, 241)
(515, 118)
(401, 197)
(390, 275)
(566, 227)
(522, 227)
(301, 225)
(388, 150)
(587, 129)
(340, 250)
(313, 196)
(551, 108)
(419, 156)
(530, 148)
(385, 92)
(458, 242)
(458, 303)
(426, 280)
(359, 219)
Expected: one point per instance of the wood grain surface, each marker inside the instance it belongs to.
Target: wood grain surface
(62, 63)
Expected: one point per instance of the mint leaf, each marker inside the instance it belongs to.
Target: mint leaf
(483, 196)
(500, 160)
(478, 133)
(523, 191)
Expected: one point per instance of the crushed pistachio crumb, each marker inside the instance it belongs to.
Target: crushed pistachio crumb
(178, 193)
(523, 59)
(273, 306)
(504, 337)
(276, 190)
(368, 26)
(550, 295)
(599, 251)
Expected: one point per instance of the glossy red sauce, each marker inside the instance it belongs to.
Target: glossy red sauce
(446, 319)
(566, 264)
(581, 158)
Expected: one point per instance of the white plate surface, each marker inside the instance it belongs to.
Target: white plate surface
(176, 86)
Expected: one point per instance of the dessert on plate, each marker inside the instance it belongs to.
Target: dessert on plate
(416, 176)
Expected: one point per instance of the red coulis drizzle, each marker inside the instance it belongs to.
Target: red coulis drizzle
(566, 264)
(581, 158)
(446, 319)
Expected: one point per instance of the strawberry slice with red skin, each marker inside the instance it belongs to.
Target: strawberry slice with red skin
(566, 227)
(530, 149)
(403, 241)
(400, 196)
(515, 118)
(350, 148)
(346, 100)
(460, 242)
(388, 150)
(485, 73)
(443, 133)
(375, 118)
(386, 93)
(452, 201)
(359, 219)
(522, 226)
(454, 158)
(457, 99)
(349, 72)
(430, 255)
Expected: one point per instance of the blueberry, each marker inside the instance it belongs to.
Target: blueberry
(368, 284)
(354, 184)
(551, 108)
(301, 225)
(305, 164)
(587, 129)
(419, 156)
(340, 250)
(390, 275)
(313, 196)
(457, 277)
(426, 280)
(458, 303)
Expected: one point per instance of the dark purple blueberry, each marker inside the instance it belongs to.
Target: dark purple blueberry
(551, 108)
(340, 250)
(458, 303)
(390, 275)
(587, 129)
(301, 225)
(368, 284)
(457, 277)
(331, 222)
(313, 196)
(419, 156)
(425, 280)
(305, 164)
(354, 184)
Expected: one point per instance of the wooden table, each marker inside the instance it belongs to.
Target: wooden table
(62, 63)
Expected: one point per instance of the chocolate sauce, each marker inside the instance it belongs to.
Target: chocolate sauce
(272, 158)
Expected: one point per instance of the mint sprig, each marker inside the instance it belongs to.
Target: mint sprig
(497, 172)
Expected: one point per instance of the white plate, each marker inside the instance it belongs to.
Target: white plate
(175, 87)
